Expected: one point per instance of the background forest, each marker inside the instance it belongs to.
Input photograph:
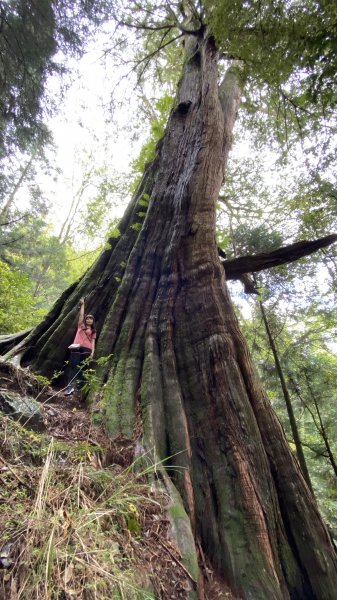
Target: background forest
(55, 216)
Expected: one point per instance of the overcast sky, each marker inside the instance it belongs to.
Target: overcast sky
(86, 131)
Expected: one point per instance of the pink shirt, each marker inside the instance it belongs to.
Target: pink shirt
(84, 336)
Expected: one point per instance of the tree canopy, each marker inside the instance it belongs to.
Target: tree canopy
(35, 38)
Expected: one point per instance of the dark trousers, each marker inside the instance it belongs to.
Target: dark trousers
(77, 357)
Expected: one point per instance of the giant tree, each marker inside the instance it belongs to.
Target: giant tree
(179, 378)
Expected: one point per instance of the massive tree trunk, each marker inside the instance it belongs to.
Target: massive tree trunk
(179, 360)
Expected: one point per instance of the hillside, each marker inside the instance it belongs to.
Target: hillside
(80, 516)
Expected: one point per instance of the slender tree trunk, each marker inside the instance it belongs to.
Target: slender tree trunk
(325, 437)
(6, 208)
(320, 425)
(287, 399)
(180, 362)
(68, 223)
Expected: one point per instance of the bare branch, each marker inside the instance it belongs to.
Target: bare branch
(143, 26)
(12, 241)
(147, 58)
(14, 220)
(286, 254)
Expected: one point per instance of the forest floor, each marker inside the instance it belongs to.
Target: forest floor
(79, 516)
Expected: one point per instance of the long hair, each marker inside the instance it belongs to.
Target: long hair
(93, 326)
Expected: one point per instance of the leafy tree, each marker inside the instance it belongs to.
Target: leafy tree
(289, 337)
(309, 368)
(288, 54)
(34, 36)
(95, 194)
(28, 244)
(17, 310)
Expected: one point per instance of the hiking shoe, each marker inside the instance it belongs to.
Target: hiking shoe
(69, 390)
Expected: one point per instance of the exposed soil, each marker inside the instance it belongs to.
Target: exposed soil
(67, 417)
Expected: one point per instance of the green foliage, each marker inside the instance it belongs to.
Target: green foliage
(92, 380)
(304, 340)
(78, 262)
(288, 54)
(35, 274)
(143, 202)
(45, 381)
(40, 264)
(314, 202)
(113, 231)
(17, 310)
(161, 109)
(27, 46)
(98, 192)
(136, 226)
(32, 35)
(253, 240)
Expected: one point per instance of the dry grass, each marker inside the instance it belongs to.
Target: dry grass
(72, 529)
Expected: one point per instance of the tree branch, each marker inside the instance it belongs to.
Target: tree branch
(144, 27)
(10, 242)
(14, 220)
(237, 267)
(146, 59)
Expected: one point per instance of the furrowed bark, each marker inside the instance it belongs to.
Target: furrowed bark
(179, 360)
(45, 348)
(305, 531)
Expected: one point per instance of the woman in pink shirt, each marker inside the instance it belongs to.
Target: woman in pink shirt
(81, 349)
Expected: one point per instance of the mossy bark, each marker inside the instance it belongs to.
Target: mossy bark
(179, 360)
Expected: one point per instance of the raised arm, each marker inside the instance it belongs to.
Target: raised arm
(81, 315)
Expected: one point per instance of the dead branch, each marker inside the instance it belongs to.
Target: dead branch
(237, 267)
